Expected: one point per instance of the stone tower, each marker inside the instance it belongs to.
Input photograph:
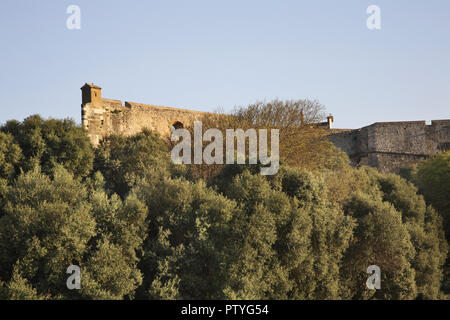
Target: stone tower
(92, 94)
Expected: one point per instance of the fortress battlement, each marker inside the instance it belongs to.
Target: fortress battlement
(387, 146)
(102, 117)
(390, 146)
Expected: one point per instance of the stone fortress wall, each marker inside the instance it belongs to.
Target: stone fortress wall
(387, 146)
(102, 117)
(390, 146)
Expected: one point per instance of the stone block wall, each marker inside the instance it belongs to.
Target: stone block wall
(104, 117)
(390, 146)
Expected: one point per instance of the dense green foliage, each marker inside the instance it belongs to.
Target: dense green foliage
(433, 179)
(140, 227)
(35, 141)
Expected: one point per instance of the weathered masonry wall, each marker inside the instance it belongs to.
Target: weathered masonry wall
(102, 117)
(387, 146)
(390, 146)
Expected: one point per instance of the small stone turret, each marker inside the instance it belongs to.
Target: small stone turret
(92, 94)
(330, 120)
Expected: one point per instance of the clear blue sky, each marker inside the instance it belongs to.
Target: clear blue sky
(208, 54)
